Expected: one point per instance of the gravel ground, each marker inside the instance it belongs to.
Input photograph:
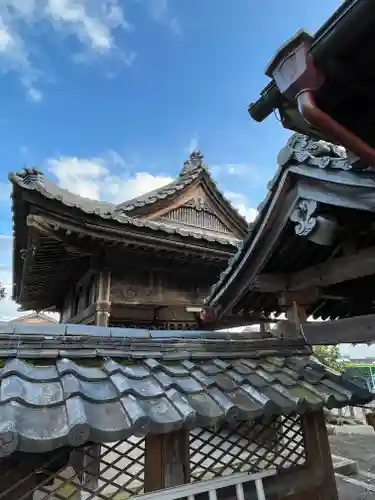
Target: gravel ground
(356, 447)
(362, 449)
(348, 491)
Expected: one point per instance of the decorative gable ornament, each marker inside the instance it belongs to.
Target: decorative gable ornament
(194, 162)
(321, 154)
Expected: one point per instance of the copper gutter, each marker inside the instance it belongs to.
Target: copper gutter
(322, 121)
(298, 78)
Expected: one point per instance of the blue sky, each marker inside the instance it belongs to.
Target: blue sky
(109, 96)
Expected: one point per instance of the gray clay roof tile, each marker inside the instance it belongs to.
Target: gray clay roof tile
(122, 212)
(67, 402)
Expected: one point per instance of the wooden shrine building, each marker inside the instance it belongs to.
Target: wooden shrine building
(148, 261)
(310, 253)
(311, 248)
(98, 411)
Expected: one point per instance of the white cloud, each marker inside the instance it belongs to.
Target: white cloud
(161, 12)
(8, 309)
(93, 23)
(91, 178)
(240, 170)
(241, 203)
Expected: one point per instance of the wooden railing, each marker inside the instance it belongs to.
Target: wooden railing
(211, 486)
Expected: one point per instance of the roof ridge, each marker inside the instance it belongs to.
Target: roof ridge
(160, 193)
(193, 167)
(107, 210)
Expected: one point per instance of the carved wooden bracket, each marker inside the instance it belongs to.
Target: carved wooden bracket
(303, 216)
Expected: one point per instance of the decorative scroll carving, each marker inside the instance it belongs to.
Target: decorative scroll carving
(302, 215)
(197, 213)
(157, 289)
(302, 149)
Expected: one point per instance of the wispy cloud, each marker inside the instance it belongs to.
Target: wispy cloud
(93, 178)
(93, 24)
(160, 10)
(242, 204)
(240, 170)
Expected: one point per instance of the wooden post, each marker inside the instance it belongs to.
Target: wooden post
(103, 299)
(318, 454)
(92, 455)
(167, 460)
(294, 305)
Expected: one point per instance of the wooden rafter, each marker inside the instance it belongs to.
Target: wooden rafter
(338, 270)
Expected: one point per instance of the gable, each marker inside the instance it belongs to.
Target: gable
(197, 208)
(197, 213)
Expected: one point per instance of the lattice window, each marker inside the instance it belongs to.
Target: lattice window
(111, 471)
(276, 443)
(116, 471)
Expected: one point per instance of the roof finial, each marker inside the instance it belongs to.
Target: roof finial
(195, 161)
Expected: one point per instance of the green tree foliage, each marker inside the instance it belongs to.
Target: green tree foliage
(2, 292)
(330, 356)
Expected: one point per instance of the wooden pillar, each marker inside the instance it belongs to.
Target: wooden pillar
(318, 454)
(167, 460)
(103, 304)
(294, 305)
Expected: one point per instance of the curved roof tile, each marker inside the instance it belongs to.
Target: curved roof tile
(110, 211)
(68, 404)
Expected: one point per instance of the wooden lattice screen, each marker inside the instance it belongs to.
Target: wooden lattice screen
(275, 443)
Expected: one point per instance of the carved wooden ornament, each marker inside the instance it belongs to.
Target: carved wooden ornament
(302, 215)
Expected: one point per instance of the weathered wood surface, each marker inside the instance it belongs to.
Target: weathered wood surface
(338, 270)
(356, 330)
(158, 288)
(166, 460)
(318, 454)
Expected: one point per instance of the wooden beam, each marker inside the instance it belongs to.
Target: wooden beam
(269, 283)
(356, 330)
(338, 270)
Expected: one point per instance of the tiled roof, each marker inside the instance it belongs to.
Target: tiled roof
(33, 179)
(161, 193)
(105, 210)
(299, 150)
(131, 382)
(193, 169)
